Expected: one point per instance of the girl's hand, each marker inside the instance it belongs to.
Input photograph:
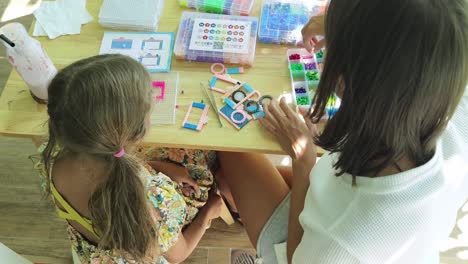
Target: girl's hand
(212, 208)
(293, 134)
(178, 174)
(315, 27)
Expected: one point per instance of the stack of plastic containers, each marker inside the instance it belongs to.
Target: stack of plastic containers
(216, 38)
(281, 21)
(132, 15)
(227, 7)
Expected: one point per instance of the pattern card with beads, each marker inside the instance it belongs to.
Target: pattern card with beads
(221, 35)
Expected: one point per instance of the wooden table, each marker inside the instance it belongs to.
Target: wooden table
(21, 116)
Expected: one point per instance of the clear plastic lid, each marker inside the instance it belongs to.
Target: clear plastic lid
(141, 15)
(305, 69)
(281, 21)
(216, 38)
(227, 7)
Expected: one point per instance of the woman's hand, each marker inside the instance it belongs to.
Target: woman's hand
(178, 174)
(294, 134)
(315, 27)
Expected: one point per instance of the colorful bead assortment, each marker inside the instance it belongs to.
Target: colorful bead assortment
(236, 35)
(305, 74)
(281, 21)
(227, 7)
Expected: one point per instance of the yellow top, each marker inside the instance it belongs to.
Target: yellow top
(70, 213)
(20, 115)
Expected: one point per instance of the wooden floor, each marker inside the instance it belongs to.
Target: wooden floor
(29, 226)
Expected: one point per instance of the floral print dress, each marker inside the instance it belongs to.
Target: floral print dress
(199, 164)
(172, 211)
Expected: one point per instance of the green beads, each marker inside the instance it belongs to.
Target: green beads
(303, 100)
(319, 54)
(297, 67)
(312, 76)
(213, 6)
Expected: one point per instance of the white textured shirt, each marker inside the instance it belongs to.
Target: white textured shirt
(399, 218)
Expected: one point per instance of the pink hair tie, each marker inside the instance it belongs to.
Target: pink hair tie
(120, 153)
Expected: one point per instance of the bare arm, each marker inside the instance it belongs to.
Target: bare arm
(315, 27)
(176, 172)
(300, 185)
(296, 138)
(191, 236)
(188, 239)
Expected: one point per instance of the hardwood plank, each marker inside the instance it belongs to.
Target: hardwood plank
(38, 246)
(222, 235)
(41, 259)
(199, 256)
(218, 255)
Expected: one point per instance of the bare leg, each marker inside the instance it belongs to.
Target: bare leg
(225, 190)
(285, 171)
(257, 188)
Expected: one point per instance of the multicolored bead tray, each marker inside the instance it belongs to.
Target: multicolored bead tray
(216, 38)
(305, 69)
(281, 21)
(227, 7)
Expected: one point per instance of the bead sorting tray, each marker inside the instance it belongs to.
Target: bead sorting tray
(305, 70)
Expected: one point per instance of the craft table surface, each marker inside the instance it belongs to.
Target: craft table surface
(21, 116)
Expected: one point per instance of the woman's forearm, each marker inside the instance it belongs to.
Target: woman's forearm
(300, 185)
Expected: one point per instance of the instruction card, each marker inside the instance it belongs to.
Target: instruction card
(152, 49)
(221, 35)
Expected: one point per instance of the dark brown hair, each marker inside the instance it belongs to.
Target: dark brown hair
(96, 107)
(403, 65)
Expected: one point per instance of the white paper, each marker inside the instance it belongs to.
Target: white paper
(9, 256)
(18, 8)
(39, 30)
(62, 17)
(221, 35)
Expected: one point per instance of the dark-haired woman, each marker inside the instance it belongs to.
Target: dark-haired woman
(396, 168)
